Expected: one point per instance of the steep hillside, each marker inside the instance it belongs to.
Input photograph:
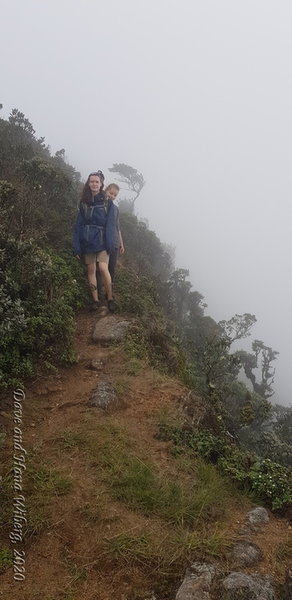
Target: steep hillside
(112, 511)
(125, 462)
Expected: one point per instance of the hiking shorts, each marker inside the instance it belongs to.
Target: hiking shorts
(94, 257)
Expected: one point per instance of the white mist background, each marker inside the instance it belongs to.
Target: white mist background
(195, 95)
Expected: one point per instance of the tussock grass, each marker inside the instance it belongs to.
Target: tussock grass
(284, 550)
(199, 493)
(90, 513)
(42, 485)
(204, 541)
(130, 547)
(122, 385)
(182, 506)
(48, 482)
(134, 366)
(142, 487)
(72, 439)
(171, 416)
(77, 574)
(6, 497)
(169, 551)
(6, 559)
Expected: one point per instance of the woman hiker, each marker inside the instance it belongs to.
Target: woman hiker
(94, 235)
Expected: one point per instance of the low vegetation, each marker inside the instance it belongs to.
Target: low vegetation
(138, 483)
(269, 482)
(43, 483)
(6, 559)
(178, 518)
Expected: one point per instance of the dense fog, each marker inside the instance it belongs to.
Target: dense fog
(196, 96)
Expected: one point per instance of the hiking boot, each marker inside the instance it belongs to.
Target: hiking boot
(111, 305)
(95, 305)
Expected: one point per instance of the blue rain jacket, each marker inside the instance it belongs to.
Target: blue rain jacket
(95, 227)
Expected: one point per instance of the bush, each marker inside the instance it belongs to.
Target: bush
(272, 483)
(38, 295)
(136, 293)
(269, 481)
(207, 445)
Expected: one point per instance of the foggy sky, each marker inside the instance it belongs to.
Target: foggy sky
(195, 94)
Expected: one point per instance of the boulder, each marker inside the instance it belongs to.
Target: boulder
(96, 364)
(239, 586)
(197, 583)
(287, 591)
(245, 554)
(110, 329)
(257, 517)
(103, 396)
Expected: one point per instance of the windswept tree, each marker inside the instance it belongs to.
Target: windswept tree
(219, 365)
(259, 363)
(238, 327)
(131, 177)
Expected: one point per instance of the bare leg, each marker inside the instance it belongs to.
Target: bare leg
(107, 282)
(113, 263)
(99, 281)
(91, 276)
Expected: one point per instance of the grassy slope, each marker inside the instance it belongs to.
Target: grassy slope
(112, 512)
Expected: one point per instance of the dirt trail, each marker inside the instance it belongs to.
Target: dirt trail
(63, 556)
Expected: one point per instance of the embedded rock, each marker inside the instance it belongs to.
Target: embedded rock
(238, 586)
(96, 364)
(245, 554)
(257, 517)
(287, 591)
(110, 329)
(197, 583)
(103, 396)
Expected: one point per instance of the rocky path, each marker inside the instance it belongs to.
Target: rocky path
(104, 392)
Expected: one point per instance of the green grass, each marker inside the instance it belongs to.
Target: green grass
(6, 497)
(284, 550)
(200, 493)
(42, 484)
(71, 439)
(122, 385)
(168, 552)
(77, 574)
(207, 542)
(134, 366)
(171, 416)
(142, 487)
(183, 505)
(6, 559)
(129, 547)
(48, 482)
(90, 512)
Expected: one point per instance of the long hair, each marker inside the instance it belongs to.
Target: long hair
(86, 193)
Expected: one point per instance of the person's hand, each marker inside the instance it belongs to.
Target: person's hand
(77, 256)
(122, 249)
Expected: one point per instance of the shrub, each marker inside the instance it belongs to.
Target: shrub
(38, 294)
(269, 481)
(136, 293)
(272, 483)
